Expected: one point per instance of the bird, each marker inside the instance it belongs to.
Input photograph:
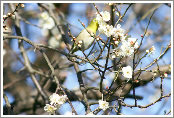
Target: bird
(85, 38)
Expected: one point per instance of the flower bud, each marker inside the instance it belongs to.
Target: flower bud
(147, 51)
(6, 28)
(165, 74)
(22, 5)
(9, 14)
(13, 17)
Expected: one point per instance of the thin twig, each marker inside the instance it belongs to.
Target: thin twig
(121, 17)
(139, 106)
(25, 57)
(145, 31)
(8, 105)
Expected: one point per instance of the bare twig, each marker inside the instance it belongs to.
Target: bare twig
(145, 31)
(139, 106)
(8, 105)
(121, 17)
(26, 60)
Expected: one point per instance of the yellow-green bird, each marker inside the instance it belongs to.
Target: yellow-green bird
(85, 37)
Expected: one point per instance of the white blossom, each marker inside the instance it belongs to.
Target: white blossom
(154, 74)
(109, 30)
(116, 42)
(79, 44)
(99, 18)
(49, 23)
(127, 71)
(152, 50)
(97, 39)
(113, 31)
(124, 45)
(62, 99)
(147, 51)
(44, 15)
(9, 14)
(126, 49)
(105, 15)
(165, 75)
(50, 109)
(53, 42)
(4, 16)
(102, 27)
(133, 42)
(103, 104)
(118, 32)
(57, 100)
(22, 5)
(46, 21)
(113, 56)
(54, 98)
(128, 52)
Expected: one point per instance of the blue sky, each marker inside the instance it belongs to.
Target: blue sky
(78, 12)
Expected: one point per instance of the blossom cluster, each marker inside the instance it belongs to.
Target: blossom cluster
(46, 21)
(55, 102)
(48, 25)
(124, 45)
